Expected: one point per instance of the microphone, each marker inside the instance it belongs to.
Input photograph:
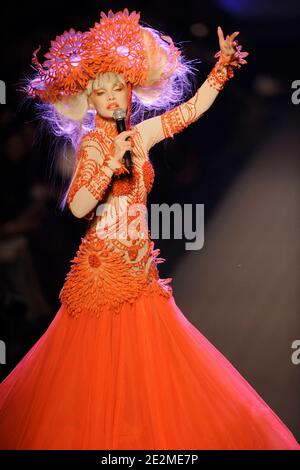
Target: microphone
(119, 116)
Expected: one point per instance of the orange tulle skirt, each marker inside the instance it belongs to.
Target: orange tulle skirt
(145, 378)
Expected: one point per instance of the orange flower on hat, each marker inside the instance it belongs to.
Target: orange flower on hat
(118, 45)
(66, 70)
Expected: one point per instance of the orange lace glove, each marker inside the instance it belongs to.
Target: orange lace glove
(224, 68)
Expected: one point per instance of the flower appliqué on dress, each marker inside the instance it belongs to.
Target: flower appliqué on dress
(100, 279)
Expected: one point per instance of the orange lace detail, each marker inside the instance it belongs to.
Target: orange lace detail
(122, 47)
(111, 269)
(101, 279)
(90, 174)
(121, 171)
(148, 175)
(172, 122)
(220, 74)
(224, 68)
(96, 176)
(180, 117)
(123, 185)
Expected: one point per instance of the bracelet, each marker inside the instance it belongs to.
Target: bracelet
(117, 171)
(220, 74)
(224, 68)
(121, 170)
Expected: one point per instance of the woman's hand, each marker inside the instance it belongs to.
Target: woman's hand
(121, 146)
(230, 50)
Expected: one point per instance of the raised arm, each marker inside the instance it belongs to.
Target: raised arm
(155, 129)
(171, 122)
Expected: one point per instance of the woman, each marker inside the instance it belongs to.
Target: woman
(120, 366)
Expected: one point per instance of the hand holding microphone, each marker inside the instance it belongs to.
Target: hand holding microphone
(123, 147)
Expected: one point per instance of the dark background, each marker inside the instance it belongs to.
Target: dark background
(241, 160)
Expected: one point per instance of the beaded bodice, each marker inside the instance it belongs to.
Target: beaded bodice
(116, 260)
(113, 265)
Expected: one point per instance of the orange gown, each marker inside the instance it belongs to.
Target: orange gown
(120, 366)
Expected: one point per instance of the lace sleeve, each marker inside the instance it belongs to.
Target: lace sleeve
(91, 178)
(171, 122)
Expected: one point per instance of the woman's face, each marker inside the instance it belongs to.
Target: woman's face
(110, 92)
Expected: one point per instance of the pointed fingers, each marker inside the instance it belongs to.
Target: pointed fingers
(220, 34)
(234, 35)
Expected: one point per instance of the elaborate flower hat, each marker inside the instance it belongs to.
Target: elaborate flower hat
(148, 60)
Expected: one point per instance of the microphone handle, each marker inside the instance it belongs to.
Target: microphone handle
(121, 126)
(127, 160)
